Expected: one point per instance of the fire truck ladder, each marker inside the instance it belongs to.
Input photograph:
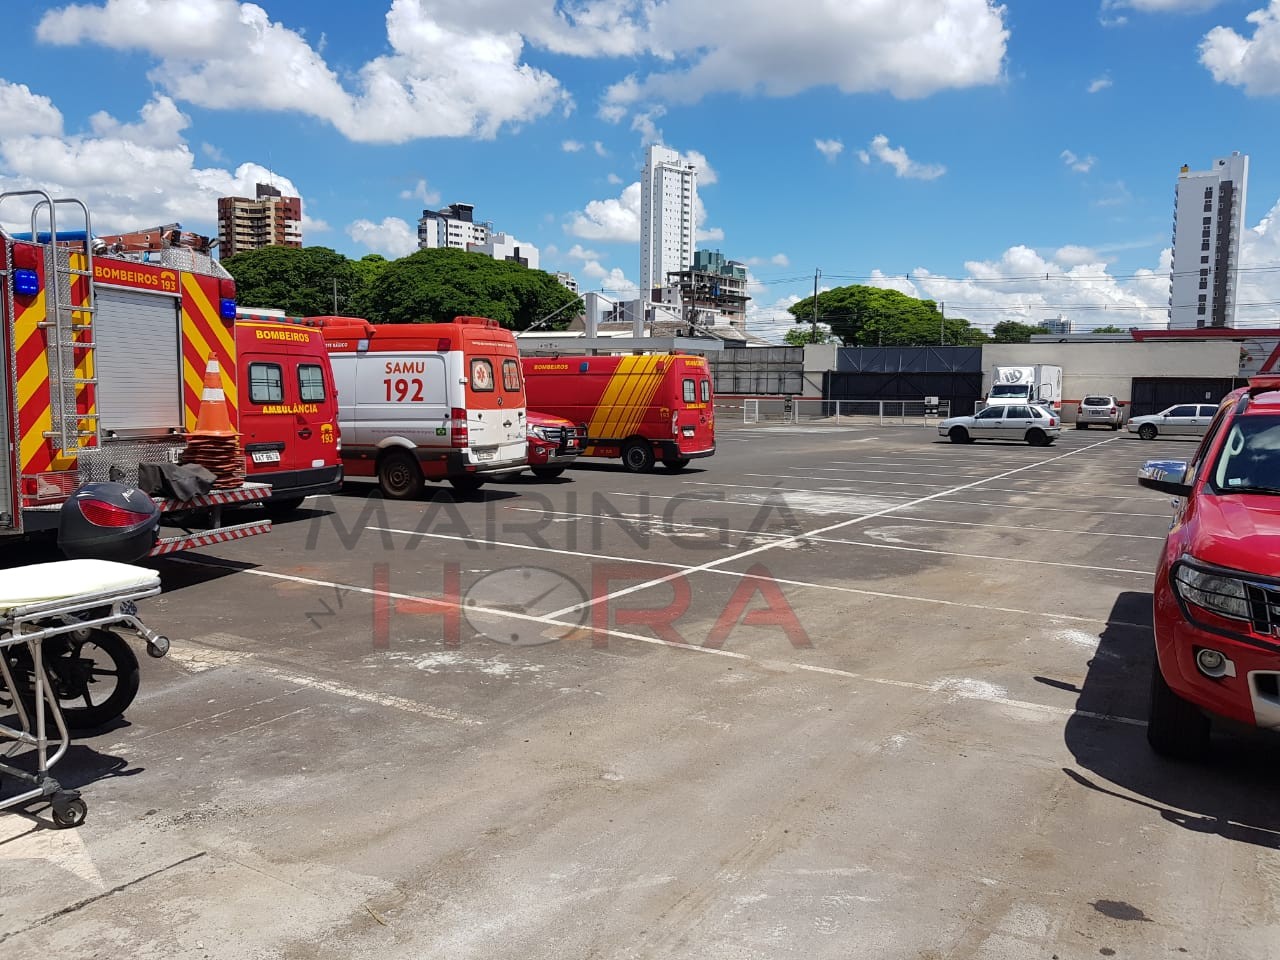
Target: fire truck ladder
(69, 331)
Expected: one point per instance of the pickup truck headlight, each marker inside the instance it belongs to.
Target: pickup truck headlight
(1213, 589)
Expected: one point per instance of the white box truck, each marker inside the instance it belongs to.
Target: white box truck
(1034, 383)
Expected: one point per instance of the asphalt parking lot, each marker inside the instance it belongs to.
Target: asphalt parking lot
(841, 692)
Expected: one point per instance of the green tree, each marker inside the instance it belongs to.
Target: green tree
(870, 316)
(1112, 328)
(298, 280)
(802, 335)
(439, 284)
(1010, 331)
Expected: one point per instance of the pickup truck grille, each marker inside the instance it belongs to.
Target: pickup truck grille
(1264, 607)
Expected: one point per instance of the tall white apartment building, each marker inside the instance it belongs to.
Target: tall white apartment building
(668, 190)
(1208, 219)
(452, 226)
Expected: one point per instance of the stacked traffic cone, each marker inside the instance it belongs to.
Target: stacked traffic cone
(214, 444)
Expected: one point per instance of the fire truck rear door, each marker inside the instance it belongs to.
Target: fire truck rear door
(9, 513)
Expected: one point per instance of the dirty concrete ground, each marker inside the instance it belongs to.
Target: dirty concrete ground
(831, 693)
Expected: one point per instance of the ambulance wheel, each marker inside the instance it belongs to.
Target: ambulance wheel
(280, 509)
(466, 485)
(399, 476)
(637, 456)
(547, 473)
(676, 464)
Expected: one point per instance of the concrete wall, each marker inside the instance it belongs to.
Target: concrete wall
(818, 359)
(1109, 368)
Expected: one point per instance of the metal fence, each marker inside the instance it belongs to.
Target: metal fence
(812, 411)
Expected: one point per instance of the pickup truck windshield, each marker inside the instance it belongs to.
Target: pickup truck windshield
(1011, 390)
(1249, 461)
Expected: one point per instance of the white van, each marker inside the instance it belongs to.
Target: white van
(427, 401)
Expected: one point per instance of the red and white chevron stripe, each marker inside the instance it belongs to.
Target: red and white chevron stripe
(209, 537)
(246, 494)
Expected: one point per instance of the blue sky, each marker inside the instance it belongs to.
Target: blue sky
(1015, 160)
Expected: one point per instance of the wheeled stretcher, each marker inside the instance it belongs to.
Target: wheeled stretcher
(38, 603)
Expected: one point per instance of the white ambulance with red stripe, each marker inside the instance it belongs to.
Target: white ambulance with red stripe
(427, 401)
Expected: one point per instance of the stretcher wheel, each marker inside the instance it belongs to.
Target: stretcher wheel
(69, 813)
(157, 647)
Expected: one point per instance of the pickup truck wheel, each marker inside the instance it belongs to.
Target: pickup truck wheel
(466, 485)
(399, 476)
(637, 456)
(1175, 728)
(958, 435)
(1148, 431)
(547, 473)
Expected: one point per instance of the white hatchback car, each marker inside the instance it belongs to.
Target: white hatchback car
(1181, 420)
(1036, 425)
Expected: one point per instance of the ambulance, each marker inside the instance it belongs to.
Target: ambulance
(644, 409)
(427, 401)
(104, 359)
(288, 408)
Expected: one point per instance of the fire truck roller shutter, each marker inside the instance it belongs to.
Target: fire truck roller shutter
(137, 349)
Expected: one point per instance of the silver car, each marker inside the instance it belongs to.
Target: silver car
(1036, 425)
(1105, 410)
(1180, 420)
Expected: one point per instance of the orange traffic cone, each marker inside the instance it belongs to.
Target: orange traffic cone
(213, 419)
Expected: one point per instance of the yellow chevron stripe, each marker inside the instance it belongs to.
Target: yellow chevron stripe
(619, 413)
(650, 387)
(200, 302)
(631, 410)
(604, 406)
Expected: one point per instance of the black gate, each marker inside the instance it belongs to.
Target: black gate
(1153, 394)
(962, 390)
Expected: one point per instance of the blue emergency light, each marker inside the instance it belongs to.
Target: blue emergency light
(227, 308)
(26, 283)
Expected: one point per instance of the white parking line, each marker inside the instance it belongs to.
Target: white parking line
(1150, 498)
(742, 555)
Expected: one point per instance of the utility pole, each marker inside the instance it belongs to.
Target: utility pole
(942, 323)
(813, 335)
(335, 296)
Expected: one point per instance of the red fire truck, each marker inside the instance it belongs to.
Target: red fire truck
(642, 408)
(103, 363)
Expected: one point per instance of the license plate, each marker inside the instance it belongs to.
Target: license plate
(484, 454)
(266, 456)
(687, 431)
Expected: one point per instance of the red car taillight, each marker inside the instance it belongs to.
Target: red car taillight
(1113, 411)
(1079, 410)
(103, 514)
(459, 436)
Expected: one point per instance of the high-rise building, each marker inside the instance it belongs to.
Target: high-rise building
(266, 220)
(713, 292)
(500, 246)
(452, 226)
(567, 280)
(1059, 325)
(1208, 218)
(668, 191)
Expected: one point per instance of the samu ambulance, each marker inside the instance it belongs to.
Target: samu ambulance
(427, 401)
(288, 409)
(641, 408)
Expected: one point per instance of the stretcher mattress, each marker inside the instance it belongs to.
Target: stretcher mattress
(69, 580)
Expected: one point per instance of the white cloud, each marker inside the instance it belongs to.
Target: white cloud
(777, 260)
(312, 225)
(896, 157)
(614, 179)
(571, 146)
(924, 47)
(829, 148)
(578, 253)
(132, 175)
(599, 148)
(611, 281)
(706, 175)
(616, 220)
(440, 79)
(644, 124)
(771, 322)
(213, 152)
(24, 113)
(420, 191)
(1106, 21)
(1098, 84)
(392, 237)
(1249, 62)
(1072, 255)
(709, 235)
(1076, 163)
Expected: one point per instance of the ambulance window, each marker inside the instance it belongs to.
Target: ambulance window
(310, 383)
(266, 383)
(481, 375)
(689, 395)
(706, 391)
(510, 376)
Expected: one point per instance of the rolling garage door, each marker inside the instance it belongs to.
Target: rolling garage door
(137, 350)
